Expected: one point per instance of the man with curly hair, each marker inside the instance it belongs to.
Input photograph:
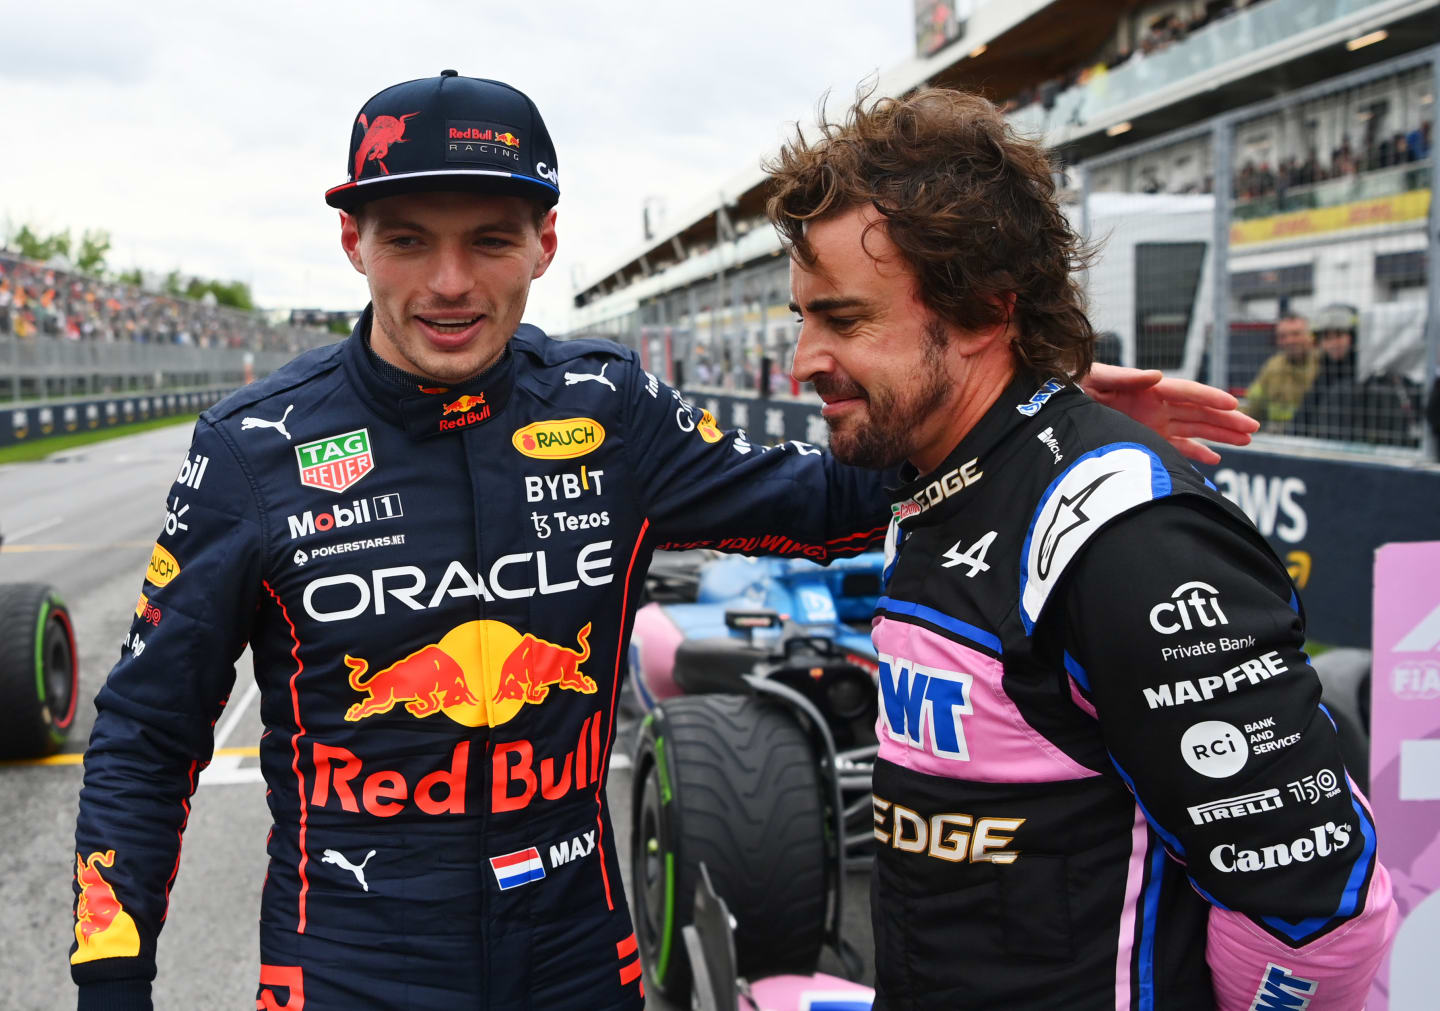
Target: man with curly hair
(1097, 722)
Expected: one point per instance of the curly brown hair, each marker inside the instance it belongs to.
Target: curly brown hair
(969, 204)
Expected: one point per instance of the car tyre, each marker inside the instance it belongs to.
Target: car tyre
(731, 781)
(38, 671)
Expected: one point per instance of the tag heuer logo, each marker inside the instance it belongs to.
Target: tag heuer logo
(337, 462)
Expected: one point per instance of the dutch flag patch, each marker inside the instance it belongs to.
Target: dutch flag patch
(519, 868)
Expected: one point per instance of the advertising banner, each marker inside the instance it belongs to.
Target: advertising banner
(1405, 765)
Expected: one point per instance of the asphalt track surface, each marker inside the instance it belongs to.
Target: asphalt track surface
(84, 521)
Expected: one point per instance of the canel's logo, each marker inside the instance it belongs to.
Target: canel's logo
(921, 706)
(1190, 604)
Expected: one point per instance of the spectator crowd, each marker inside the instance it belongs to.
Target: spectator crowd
(39, 302)
(1255, 181)
(1311, 386)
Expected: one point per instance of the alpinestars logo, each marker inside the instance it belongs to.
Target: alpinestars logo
(1069, 516)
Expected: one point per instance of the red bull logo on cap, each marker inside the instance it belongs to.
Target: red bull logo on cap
(459, 676)
(102, 927)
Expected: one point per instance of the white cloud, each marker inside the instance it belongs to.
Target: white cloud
(204, 135)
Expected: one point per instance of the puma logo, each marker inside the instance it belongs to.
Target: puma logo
(571, 378)
(279, 426)
(336, 857)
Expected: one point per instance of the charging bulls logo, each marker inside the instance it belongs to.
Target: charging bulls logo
(379, 135)
(460, 677)
(102, 927)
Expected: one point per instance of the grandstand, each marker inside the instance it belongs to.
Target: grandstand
(66, 334)
(1318, 114)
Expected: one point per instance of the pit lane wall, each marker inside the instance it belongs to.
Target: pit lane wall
(25, 423)
(1325, 515)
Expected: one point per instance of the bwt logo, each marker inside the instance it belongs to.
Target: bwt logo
(1189, 604)
(914, 697)
(1282, 990)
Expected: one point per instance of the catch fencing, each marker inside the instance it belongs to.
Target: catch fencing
(1285, 251)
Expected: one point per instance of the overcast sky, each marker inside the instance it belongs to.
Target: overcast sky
(202, 136)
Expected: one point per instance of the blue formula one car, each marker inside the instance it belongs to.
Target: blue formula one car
(757, 680)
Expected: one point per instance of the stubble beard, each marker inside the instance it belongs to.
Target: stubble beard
(887, 437)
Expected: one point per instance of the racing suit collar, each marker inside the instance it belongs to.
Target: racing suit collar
(981, 448)
(425, 411)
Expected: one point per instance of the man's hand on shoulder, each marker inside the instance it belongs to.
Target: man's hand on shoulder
(1180, 410)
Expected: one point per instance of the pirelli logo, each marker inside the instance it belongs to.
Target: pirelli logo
(1236, 807)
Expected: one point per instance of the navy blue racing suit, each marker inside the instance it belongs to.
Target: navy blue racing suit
(437, 587)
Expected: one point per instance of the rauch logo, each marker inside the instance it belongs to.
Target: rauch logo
(559, 440)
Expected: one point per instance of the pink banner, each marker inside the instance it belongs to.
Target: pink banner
(1405, 765)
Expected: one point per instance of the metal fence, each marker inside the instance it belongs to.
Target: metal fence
(1285, 251)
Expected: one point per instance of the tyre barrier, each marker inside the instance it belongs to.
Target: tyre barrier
(29, 422)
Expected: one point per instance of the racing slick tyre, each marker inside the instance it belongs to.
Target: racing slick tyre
(38, 671)
(731, 781)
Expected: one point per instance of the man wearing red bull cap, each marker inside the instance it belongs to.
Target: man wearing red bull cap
(435, 562)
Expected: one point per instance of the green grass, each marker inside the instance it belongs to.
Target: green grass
(42, 447)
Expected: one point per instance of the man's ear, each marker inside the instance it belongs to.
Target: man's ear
(549, 243)
(350, 240)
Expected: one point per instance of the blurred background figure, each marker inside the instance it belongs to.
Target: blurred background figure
(1286, 376)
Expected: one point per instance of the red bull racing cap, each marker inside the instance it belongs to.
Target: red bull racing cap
(448, 133)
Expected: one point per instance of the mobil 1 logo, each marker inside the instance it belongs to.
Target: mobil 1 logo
(338, 516)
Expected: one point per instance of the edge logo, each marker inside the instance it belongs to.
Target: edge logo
(562, 439)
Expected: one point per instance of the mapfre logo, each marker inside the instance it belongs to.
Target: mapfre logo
(563, 439)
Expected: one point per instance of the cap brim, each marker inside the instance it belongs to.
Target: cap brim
(348, 196)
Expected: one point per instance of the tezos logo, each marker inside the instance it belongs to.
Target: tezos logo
(1214, 749)
(562, 439)
(1189, 604)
